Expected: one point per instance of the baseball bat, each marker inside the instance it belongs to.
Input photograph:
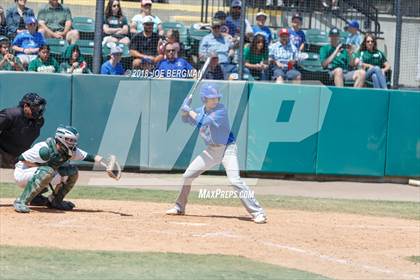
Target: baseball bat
(201, 75)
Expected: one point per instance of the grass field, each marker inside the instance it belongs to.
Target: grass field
(397, 209)
(35, 263)
(415, 259)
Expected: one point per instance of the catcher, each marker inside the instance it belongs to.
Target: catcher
(46, 164)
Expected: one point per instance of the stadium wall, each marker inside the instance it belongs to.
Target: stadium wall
(280, 128)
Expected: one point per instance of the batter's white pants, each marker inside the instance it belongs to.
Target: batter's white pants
(211, 156)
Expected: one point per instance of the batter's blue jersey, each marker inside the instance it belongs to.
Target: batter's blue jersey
(213, 125)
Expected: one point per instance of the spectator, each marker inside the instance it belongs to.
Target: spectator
(15, 18)
(214, 72)
(222, 45)
(116, 24)
(333, 4)
(297, 36)
(284, 56)
(373, 61)
(256, 57)
(173, 66)
(261, 28)
(3, 26)
(235, 18)
(8, 62)
(27, 43)
(172, 36)
(74, 62)
(354, 38)
(113, 66)
(338, 60)
(44, 62)
(143, 47)
(55, 22)
(137, 21)
(226, 26)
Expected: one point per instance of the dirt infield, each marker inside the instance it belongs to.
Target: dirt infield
(341, 246)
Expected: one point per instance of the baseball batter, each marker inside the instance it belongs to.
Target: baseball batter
(213, 123)
(46, 163)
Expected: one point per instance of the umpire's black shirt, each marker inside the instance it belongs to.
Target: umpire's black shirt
(17, 133)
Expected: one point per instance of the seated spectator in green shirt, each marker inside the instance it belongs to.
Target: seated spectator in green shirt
(74, 62)
(256, 57)
(116, 24)
(8, 62)
(44, 62)
(338, 59)
(55, 22)
(373, 61)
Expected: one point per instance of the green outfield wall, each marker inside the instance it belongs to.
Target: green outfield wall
(279, 128)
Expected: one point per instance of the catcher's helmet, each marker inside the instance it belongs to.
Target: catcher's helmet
(35, 102)
(209, 91)
(67, 136)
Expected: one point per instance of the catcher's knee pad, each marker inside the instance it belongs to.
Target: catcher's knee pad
(68, 170)
(39, 181)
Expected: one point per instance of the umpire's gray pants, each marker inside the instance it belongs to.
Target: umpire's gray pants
(211, 156)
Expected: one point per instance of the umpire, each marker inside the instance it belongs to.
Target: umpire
(19, 127)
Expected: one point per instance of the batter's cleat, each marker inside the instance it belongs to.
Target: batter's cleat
(174, 211)
(20, 207)
(260, 219)
(39, 200)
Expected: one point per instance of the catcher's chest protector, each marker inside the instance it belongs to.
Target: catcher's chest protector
(57, 159)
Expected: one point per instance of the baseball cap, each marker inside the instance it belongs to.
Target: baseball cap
(297, 15)
(283, 31)
(261, 14)
(353, 24)
(236, 3)
(144, 2)
(216, 21)
(334, 32)
(220, 15)
(148, 19)
(30, 20)
(116, 50)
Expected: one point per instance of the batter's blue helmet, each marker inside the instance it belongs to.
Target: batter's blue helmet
(209, 91)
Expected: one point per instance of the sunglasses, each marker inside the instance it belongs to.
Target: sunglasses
(170, 50)
(147, 5)
(115, 5)
(369, 41)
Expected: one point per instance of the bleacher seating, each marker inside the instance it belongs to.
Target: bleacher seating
(85, 26)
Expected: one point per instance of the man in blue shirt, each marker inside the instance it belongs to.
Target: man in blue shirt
(15, 18)
(284, 55)
(216, 42)
(354, 38)
(235, 18)
(261, 28)
(113, 66)
(297, 36)
(27, 43)
(173, 66)
(212, 121)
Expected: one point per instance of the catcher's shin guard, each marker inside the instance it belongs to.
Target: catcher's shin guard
(39, 181)
(56, 198)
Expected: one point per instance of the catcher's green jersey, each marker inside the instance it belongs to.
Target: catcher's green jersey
(46, 153)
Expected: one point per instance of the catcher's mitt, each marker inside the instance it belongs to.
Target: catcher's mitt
(113, 167)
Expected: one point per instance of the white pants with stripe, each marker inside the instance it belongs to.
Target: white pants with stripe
(211, 156)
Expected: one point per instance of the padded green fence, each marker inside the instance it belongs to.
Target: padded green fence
(55, 88)
(403, 147)
(279, 128)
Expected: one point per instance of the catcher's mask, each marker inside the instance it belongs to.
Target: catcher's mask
(36, 103)
(67, 137)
